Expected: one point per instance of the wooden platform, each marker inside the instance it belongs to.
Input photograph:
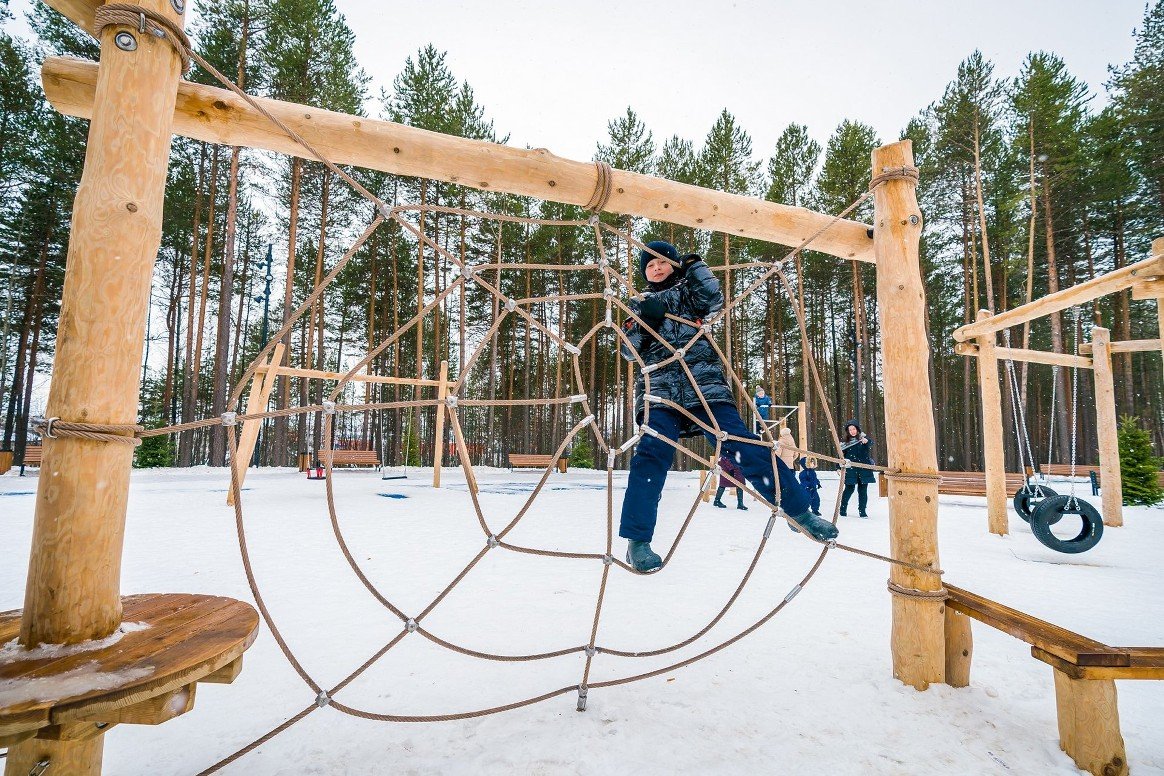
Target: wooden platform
(144, 675)
(1085, 671)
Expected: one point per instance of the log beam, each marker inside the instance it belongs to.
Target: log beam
(438, 453)
(994, 457)
(918, 630)
(1125, 346)
(262, 384)
(1031, 356)
(1107, 430)
(959, 648)
(1103, 285)
(79, 12)
(219, 116)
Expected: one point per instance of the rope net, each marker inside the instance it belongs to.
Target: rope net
(610, 288)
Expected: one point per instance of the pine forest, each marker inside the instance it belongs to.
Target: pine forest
(1026, 188)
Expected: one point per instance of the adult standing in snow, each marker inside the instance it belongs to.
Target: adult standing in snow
(729, 468)
(857, 448)
(681, 292)
(763, 404)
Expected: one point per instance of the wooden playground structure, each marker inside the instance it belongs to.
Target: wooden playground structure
(136, 99)
(979, 339)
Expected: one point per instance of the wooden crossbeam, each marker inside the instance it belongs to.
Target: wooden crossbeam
(1060, 300)
(79, 12)
(1031, 356)
(219, 116)
(1126, 346)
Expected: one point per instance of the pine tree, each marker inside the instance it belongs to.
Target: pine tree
(1138, 467)
(1138, 92)
(582, 454)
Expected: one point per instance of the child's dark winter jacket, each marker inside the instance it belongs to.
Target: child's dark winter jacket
(694, 297)
(808, 478)
(858, 452)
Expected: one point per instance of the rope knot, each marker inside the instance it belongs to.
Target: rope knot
(602, 189)
(903, 173)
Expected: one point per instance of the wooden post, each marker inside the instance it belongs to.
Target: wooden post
(1089, 724)
(74, 571)
(995, 458)
(261, 386)
(1158, 252)
(1105, 426)
(802, 425)
(918, 641)
(959, 648)
(438, 454)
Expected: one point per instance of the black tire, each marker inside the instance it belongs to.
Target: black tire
(1051, 510)
(1030, 496)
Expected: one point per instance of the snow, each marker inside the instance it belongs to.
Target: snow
(811, 691)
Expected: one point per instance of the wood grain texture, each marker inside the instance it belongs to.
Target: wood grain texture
(1117, 280)
(438, 454)
(1125, 346)
(186, 638)
(262, 384)
(219, 116)
(997, 514)
(79, 12)
(1089, 725)
(918, 624)
(1106, 428)
(1022, 354)
(74, 572)
(959, 648)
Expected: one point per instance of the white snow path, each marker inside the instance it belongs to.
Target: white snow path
(810, 692)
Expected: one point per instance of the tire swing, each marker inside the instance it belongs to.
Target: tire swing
(1031, 493)
(1051, 510)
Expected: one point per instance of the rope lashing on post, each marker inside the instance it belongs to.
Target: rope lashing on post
(146, 22)
(912, 592)
(903, 173)
(603, 186)
(115, 433)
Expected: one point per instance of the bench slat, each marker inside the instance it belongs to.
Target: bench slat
(1068, 646)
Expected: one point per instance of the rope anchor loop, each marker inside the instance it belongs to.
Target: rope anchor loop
(581, 697)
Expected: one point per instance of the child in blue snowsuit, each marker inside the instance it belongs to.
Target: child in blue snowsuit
(811, 483)
(686, 288)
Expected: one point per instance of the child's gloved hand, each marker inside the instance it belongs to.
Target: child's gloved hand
(652, 311)
(691, 258)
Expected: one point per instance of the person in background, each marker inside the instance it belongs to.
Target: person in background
(857, 448)
(763, 404)
(730, 468)
(811, 483)
(786, 448)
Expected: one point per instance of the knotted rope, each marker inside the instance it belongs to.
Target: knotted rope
(603, 186)
(903, 173)
(115, 433)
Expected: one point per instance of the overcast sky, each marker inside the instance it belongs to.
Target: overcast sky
(552, 74)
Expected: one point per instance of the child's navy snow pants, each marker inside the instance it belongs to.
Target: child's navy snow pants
(653, 457)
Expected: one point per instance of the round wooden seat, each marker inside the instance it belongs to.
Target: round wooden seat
(144, 673)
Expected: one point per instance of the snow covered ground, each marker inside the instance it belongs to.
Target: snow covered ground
(810, 692)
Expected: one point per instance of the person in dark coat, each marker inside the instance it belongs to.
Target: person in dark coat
(730, 469)
(686, 290)
(811, 483)
(857, 448)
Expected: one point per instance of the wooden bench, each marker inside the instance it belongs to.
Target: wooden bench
(523, 461)
(1084, 670)
(367, 458)
(33, 454)
(1081, 470)
(961, 483)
